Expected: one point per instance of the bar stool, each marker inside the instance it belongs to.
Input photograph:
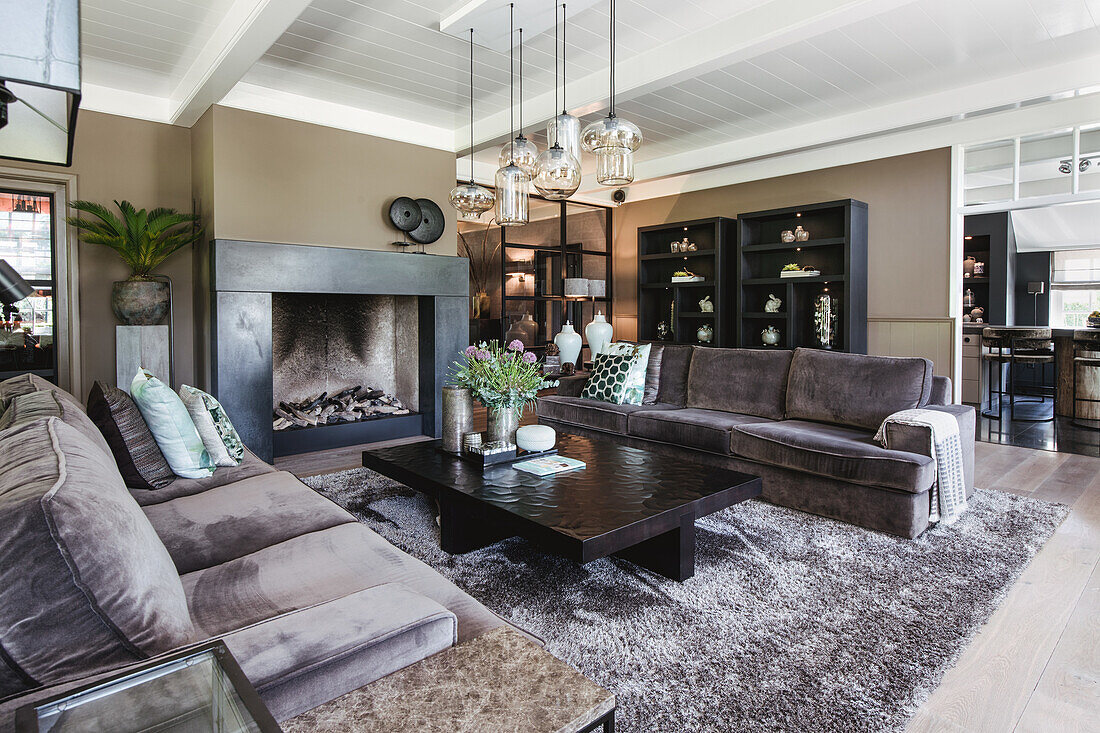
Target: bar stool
(1086, 354)
(1014, 345)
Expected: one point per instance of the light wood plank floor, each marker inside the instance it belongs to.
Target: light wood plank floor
(1035, 666)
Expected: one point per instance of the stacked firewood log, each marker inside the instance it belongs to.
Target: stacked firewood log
(352, 405)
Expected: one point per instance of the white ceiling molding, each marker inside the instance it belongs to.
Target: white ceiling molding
(124, 103)
(341, 116)
(758, 30)
(1010, 123)
(244, 34)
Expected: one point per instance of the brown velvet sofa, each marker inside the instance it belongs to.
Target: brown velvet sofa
(803, 420)
(95, 577)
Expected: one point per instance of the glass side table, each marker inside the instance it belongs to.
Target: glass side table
(201, 690)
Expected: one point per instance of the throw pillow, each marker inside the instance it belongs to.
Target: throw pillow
(217, 433)
(172, 426)
(653, 374)
(25, 408)
(139, 459)
(635, 381)
(609, 380)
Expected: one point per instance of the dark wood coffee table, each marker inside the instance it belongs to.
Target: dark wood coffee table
(628, 502)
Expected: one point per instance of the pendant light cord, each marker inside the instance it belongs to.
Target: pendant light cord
(612, 35)
(564, 48)
(471, 106)
(521, 82)
(557, 48)
(511, 82)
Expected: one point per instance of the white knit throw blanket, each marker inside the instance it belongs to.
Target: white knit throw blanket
(948, 499)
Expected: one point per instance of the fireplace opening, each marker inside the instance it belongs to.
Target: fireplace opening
(339, 360)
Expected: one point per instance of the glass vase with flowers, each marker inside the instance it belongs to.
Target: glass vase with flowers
(506, 379)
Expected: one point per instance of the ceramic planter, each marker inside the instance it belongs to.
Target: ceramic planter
(140, 302)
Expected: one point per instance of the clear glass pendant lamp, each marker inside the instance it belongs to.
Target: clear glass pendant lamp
(558, 174)
(512, 181)
(564, 129)
(613, 140)
(470, 199)
(520, 150)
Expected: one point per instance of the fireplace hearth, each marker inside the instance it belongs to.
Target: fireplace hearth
(348, 346)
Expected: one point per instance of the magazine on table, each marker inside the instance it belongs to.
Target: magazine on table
(547, 465)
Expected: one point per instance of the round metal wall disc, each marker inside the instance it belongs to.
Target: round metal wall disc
(431, 223)
(405, 213)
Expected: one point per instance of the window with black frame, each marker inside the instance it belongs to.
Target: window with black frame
(27, 327)
(555, 268)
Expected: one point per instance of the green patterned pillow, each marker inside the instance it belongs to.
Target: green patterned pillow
(610, 378)
(635, 388)
(217, 432)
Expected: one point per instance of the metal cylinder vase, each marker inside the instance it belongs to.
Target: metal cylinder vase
(458, 417)
(503, 424)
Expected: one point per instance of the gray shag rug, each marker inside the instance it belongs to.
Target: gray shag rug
(792, 621)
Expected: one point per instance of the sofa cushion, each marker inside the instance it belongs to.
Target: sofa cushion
(653, 374)
(136, 452)
(38, 405)
(304, 658)
(237, 519)
(639, 368)
(23, 384)
(215, 429)
(251, 465)
(318, 567)
(833, 451)
(84, 581)
(747, 381)
(592, 413)
(855, 389)
(610, 379)
(172, 427)
(675, 362)
(707, 430)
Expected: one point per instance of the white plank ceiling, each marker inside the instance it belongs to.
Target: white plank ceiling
(832, 59)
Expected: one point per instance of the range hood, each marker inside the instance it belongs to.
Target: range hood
(39, 79)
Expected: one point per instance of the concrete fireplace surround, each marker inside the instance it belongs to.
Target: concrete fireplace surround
(243, 277)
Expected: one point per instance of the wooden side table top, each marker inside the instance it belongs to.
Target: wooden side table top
(498, 682)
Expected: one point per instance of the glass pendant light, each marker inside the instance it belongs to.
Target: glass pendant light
(520, 150)
(559, 171)
(470, 199)
(565, 129)
(512, 181)
(613, 140)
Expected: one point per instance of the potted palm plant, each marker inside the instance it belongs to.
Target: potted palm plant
(143, 239)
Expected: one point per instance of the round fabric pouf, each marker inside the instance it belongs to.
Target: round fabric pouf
(536, 437)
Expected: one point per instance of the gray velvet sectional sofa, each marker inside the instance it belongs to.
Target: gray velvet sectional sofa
(95, 577)
(803, 420)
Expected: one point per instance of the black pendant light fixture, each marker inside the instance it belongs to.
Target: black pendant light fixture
(470, 199)
(612, 139)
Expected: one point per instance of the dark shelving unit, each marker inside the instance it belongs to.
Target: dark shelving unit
(837, 247)
(988, 238)
(660, 299)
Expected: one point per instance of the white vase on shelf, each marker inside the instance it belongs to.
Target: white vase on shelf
(569, 342)
(598, 333)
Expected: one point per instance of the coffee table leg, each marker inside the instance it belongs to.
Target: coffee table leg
(671, 554)
(460, 531)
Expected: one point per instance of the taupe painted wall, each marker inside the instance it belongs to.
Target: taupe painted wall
(267, 179)
(908, 200)
(277, 180)
(148, 164)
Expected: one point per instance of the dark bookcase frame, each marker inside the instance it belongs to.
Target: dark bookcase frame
(657, 294)
(837, 247)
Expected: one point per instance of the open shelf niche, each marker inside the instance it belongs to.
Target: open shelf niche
(837, 247)
(677, 304)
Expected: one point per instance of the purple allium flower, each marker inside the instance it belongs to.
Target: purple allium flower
(470, 350)
(516, 345)
(530, 357)
(483, 355)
